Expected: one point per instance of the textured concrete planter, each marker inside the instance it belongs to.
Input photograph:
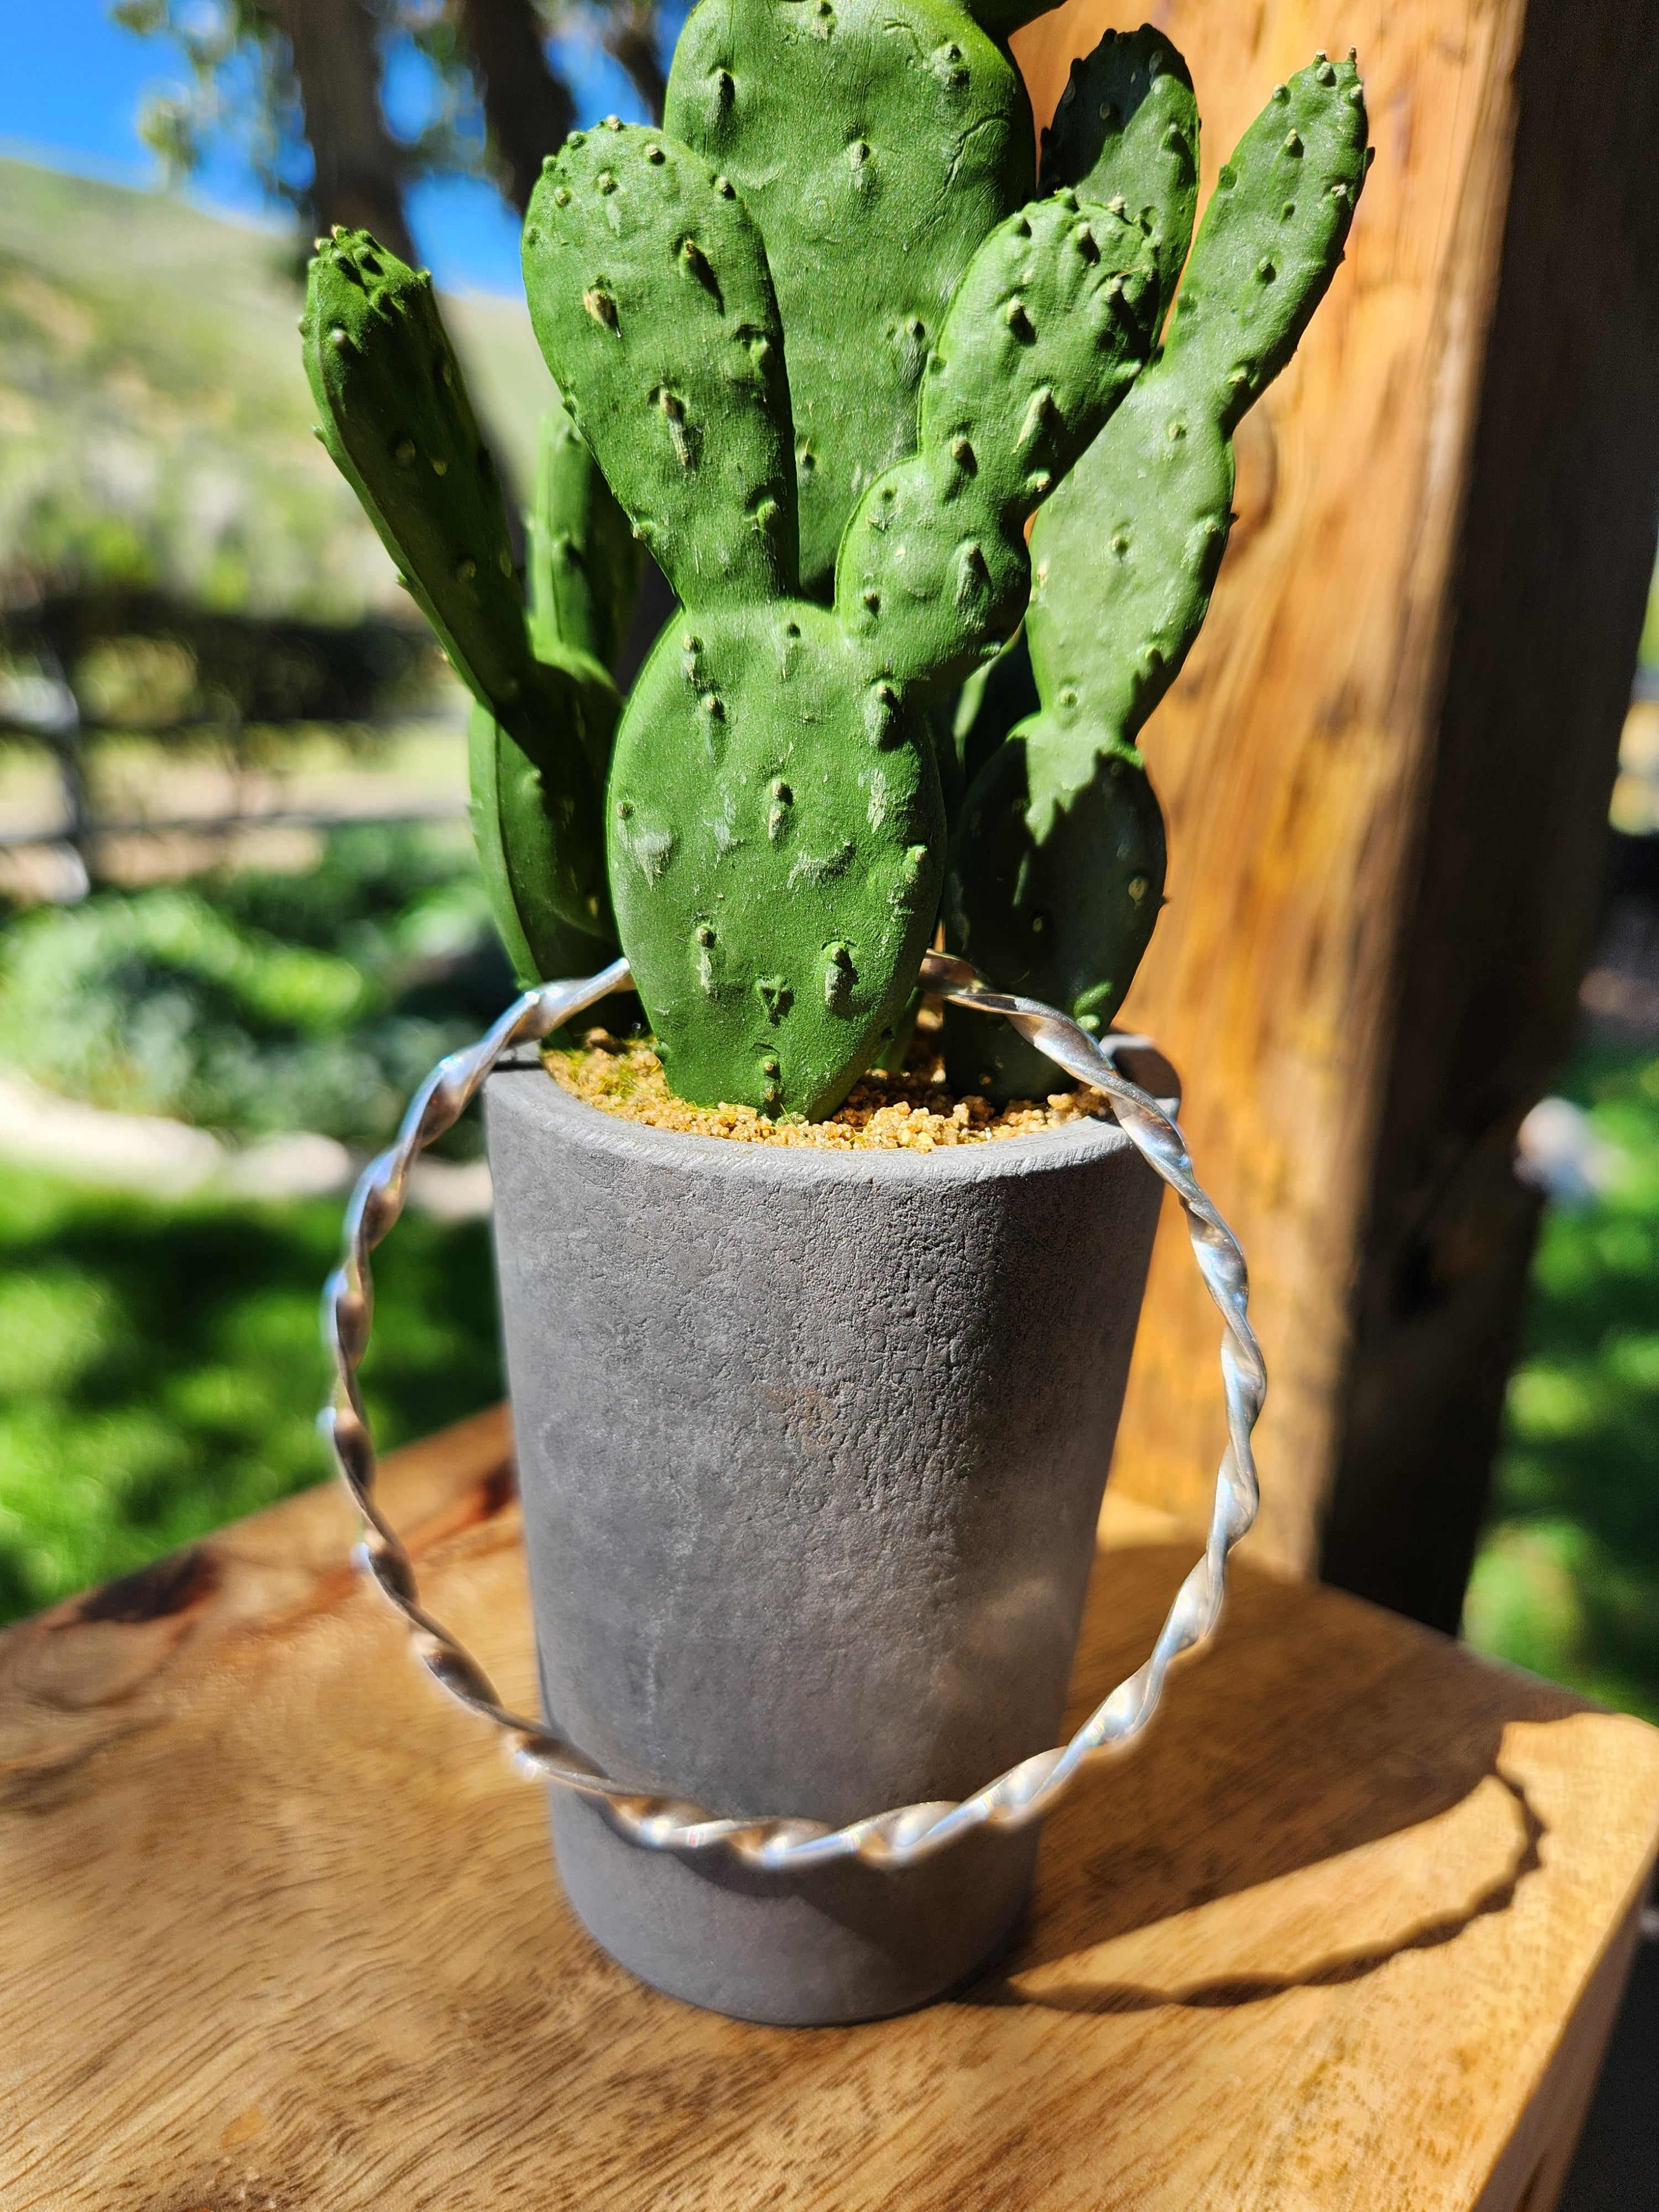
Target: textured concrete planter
(812, 1446)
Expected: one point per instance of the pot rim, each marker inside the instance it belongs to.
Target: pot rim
(722, 1158)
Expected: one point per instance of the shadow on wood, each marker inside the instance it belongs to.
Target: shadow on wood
(281, 1928)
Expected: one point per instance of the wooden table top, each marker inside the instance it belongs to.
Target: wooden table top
(279, 1928)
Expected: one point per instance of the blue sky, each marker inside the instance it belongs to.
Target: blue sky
(74, 82)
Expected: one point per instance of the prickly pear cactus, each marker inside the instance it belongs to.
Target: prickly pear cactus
(1057, 863)
(820, 352)
(775, 823)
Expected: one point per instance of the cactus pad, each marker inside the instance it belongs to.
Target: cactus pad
(1049, 326)
(582, 558)
(776, 848)
(398, 422)
(876, 142)
(1126, 131)
(1108, 636)
(650, 293)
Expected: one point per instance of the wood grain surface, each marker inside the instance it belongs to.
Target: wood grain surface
(1301, 758)
(280, 1929)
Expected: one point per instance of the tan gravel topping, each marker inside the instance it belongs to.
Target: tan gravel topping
(911, 1112)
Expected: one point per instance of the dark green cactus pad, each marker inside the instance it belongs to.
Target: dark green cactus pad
(582, 557)
(876, 142)
(1048, 328)
(1126, 130)
(583, 563)
(650, 295)
(775, 838)
(524, 825)
(397, 421)
(969, 724)
(1072, 911)
(1271, 240)
(1125, 557)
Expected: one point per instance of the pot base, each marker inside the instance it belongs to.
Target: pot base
(844, 1942)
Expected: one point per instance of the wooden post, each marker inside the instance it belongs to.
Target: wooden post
(1386, 767)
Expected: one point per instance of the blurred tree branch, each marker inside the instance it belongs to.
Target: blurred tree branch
(279, 77)
(632, 38)
(360, 171)
(528, 110)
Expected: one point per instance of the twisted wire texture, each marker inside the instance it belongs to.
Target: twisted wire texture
(907, 1834)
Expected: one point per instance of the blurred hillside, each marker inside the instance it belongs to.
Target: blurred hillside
(155, 422)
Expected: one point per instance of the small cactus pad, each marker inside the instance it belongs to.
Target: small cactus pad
(1271, 238)
(969, 724)
(1125, 557)
(583, 562)
(395, 419)
(1081, 918)
(876, 142)
(650, 295)
(1049, 327)
(535, 822)
(1126, 130)
(398, 422)
(583, 558)
(776, 837)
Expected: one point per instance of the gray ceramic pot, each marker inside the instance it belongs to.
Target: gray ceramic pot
(812, 1446)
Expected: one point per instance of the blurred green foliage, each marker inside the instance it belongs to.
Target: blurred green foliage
(251, 1003)
(1648, 652)
(160, 1366)
(1567, 1578)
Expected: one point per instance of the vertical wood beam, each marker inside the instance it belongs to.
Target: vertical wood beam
(1550, 589)
(1333, 731)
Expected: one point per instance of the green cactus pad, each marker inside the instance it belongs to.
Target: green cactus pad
(582, 557)
(969, 724)
(583, 563)
(397, 421)
(650, 295)
(775, 854)
(525, 823)
(1049, 327)
(876, 142)
(1127, 130)
(1073, 915)
(1108, 636)
(1271, 240)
